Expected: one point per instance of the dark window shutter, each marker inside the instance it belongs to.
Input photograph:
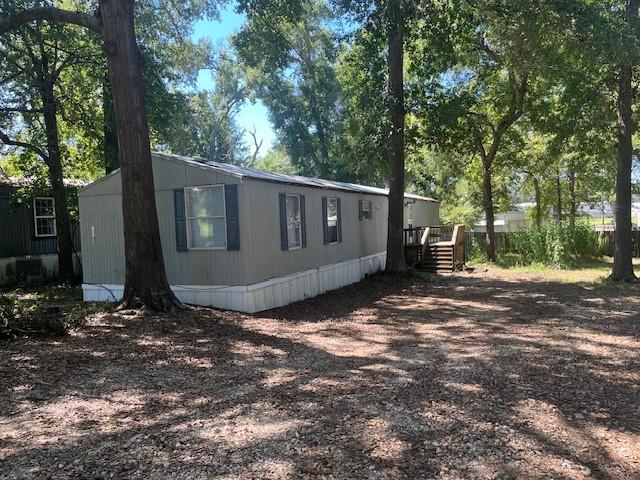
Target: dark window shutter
(303, 221)
(284, 241)
(339, 220)
(325, 225)
(181, 220)
(360, 210)
(233, 217)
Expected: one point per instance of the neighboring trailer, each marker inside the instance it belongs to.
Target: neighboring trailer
(27, 234)
(243, 239)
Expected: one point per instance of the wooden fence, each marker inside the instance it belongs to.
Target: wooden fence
(607, 243)
(503, 244)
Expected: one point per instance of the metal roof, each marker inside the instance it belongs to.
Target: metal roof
(242, 172)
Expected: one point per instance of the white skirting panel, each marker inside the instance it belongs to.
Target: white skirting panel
(272, 293)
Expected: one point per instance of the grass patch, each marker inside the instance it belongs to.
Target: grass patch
(50, 310)
(587, 272)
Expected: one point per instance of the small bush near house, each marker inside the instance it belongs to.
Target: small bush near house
(560, 245)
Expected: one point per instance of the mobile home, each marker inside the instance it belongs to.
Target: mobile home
(28, 237)
(244, 239)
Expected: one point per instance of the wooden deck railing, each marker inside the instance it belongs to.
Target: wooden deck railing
(437, 233)
(415, 242)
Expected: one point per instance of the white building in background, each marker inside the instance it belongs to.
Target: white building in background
(511, 221)
(521, 217)
(604, 213)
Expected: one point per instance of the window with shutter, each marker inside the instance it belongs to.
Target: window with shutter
(294, 222)
(206, 217)
(332, 221)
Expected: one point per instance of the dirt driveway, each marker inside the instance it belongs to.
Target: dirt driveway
(458, 378)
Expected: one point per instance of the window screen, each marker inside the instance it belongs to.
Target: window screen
(44, 214)
(206, 222)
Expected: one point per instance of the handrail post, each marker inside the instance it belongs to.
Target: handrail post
(457, 239)
(424, 241)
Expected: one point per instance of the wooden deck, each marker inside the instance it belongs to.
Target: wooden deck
(435, 248)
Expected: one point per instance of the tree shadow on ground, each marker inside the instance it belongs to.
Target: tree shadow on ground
(455, 377)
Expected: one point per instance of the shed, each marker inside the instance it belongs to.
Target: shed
(244, 239)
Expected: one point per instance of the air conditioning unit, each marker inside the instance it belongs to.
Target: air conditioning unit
(29, 271)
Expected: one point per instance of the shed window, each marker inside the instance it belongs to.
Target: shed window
(365, 209)
(332, 220)
(44, 216)
(206, 220)
(294, 221)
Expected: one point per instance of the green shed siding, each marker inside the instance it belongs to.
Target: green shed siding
(16, 229)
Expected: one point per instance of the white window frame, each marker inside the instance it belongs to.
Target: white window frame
(298, 222)
(362, 204)
(36, 217)
(335, 199)
(188, 218)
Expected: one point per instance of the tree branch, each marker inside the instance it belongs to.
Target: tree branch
(517, 107)
(20, 110)
(256, 143)
(50, 14)
(484, 47)
(27, 146)
(11, 77)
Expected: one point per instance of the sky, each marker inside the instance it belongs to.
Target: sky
(251, 115)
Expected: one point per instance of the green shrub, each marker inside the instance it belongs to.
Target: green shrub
(531, 244)
(561, 244)
(476, 253)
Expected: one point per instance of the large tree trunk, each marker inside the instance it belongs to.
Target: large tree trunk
(623, 250)
(56, 178)
(110, 146)
(538, 200)
(395, 240)
(487, 201)
(145, 279)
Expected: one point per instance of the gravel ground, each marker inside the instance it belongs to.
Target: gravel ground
(460, 377)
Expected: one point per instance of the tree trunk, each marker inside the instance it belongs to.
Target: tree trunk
(145, 278)
(538, 200)
(573, 206)
(395, 240)
(558, 196)
(56, 177)
(487, 201)
(324, 146)
(110, 147)
(623, 249)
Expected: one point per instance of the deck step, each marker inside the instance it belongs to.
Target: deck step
(437, 258)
